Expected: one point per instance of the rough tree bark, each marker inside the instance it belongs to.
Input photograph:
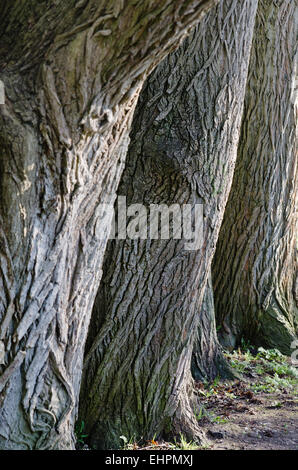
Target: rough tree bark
(254, 268)
(136, 379)
(208, 361)
(72, 72)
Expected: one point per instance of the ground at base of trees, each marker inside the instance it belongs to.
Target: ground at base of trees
(257, 412)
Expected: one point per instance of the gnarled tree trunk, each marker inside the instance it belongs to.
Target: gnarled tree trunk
(72, 72)
(136, 379)
(254, 268)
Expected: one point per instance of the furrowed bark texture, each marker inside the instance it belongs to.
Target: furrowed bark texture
(136, 379)
(72, 72)
(208, 361)
(254, 276)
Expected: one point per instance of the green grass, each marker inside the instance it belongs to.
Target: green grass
(276, 384)
(199, 414)
(128, 444)
(219, 420)
(185, 445)
(181, 444)
(271, 370)
(79, 433)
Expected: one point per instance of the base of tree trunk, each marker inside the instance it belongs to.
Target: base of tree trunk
(179, 420)
(208, 361)
(184, 423)
(267, 328)
(274, 331)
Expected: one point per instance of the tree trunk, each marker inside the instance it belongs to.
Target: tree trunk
(254, 268)
(208, 361)
(72, 72)
(136, 379)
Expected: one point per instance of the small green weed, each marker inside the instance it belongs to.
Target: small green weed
(79, 433)
(185, 445)
(219, 420)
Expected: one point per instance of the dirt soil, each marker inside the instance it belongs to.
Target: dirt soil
(251, 421)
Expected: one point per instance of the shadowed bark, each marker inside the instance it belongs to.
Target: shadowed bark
(137, 379)
(208, 361)
(72, 72)
(255, 267)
